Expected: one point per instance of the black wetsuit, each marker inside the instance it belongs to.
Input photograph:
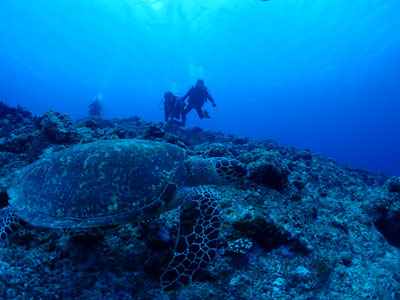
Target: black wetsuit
(173, 108)
(197, 97)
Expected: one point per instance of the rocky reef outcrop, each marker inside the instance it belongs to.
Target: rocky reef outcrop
(303, 227)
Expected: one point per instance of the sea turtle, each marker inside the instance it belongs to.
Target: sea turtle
(120, 181)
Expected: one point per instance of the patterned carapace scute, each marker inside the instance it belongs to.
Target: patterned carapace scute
(98, 184)
(196, 246)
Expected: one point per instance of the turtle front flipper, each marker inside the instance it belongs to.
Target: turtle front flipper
(9, 222)
(196, 245)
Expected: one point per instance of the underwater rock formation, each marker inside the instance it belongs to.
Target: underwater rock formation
(387, 218)
(57, 128)
(303, 227)
(14, 115)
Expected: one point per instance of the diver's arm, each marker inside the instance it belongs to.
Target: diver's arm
(211, 99)
(187, 94)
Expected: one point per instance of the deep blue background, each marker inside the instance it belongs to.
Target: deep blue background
(318, 75)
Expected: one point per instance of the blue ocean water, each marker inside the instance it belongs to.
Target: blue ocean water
(319, 75)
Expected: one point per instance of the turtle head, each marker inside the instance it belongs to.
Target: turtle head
(216, 171)
(231, 170)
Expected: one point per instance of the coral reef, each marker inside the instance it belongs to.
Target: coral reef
(304, 227)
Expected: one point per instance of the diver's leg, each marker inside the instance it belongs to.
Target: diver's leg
(185, 112)
(184, 117)
(200, 112)
(166, 116)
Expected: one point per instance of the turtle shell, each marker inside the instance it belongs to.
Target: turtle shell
(99, 183)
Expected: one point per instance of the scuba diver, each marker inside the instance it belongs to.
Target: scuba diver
(95, 107)
(198, 95)
(173, 109)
